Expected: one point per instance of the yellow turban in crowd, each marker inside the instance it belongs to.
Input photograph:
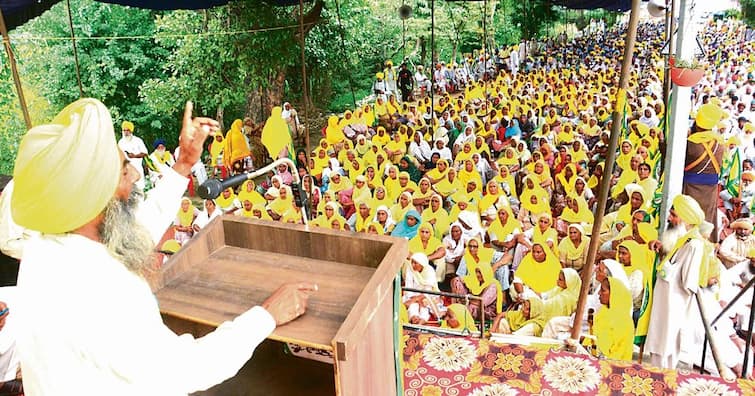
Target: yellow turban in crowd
(66, 171)
(688, 209)
(708, 115)
(128, 125)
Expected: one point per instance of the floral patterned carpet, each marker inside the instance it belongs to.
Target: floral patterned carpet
(438, 365)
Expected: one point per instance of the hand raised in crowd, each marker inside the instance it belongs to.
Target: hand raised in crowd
(191, 142)
(289, 301)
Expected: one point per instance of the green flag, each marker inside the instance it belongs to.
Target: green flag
(734, 174)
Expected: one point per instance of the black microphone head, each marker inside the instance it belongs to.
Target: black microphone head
(210, 189)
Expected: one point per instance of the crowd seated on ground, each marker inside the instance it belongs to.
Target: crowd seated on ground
(494, 184)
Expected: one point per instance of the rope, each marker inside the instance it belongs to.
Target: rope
(24, 37)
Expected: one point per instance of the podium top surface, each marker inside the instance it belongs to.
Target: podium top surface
(235, 264)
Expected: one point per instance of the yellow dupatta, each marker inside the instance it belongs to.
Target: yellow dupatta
(225, 202)
(236, 147)
(416, 246)
(539, 276)
(251, 195)
(280, 205)
(442, 220)
(613, 324)
(563, 302)
(186, 219)
(537, 316)
(476, 287)
(463, 316)
(583, 214)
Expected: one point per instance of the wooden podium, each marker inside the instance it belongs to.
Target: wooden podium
(235, 263)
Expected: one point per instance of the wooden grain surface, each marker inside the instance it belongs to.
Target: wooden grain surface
(232, 279)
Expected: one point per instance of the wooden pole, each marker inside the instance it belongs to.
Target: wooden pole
(75, 51)
(305, 94)
(605, 181)
(14, 71)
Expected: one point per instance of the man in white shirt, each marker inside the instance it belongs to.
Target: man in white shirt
(88, 321)
(134, 149)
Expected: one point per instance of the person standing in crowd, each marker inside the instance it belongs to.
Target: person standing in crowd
(134, 149)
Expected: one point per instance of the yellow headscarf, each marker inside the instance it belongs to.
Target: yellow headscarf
(567, 246)
(582, 215)
(537, 316)
(613, 324)
(503, 230)
(563, 302)
(415, 244)
(462, 314)
(75, 161)
(441, 219)
(540, 277)
(476, 287)
(186, 218)
(542, 205)
(252, 196)
(224, 202)
(236, 147)
(280, 205)
(333, 132)
(263, 213)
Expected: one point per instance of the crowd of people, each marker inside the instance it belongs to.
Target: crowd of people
(495, 186)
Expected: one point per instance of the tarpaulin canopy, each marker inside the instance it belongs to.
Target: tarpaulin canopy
(611, 5)
(17, 12)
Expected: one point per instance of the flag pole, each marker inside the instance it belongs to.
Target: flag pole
(14, 71)
(605, 181)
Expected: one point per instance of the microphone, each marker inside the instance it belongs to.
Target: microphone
(212, 188)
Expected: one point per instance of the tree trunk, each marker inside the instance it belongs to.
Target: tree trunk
(422, 44)
(254, 104)
(219, 117)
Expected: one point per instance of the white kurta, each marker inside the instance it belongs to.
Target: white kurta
(671, 329)
(87, 325)
(134, 145)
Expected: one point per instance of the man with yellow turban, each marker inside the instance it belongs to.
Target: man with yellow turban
(75, 186)
(670, 332)
(134, 149)
(703, 161)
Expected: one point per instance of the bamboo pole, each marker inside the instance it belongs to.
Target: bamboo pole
(722, 369)
(75, 50)
(605, 181)
(14, 71)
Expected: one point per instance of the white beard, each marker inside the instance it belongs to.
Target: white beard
(125, 237)
(669, 237)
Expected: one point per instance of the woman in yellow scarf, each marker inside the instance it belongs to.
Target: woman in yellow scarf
(576, 211)
(492, 193)
(338, 183)
(183, 225)
(625, 155)
(479, 280)
(375, 228)
(330, 214)
(503, 232)
(327, 196)
(597, 173)
(362, 146)
(227, 201)
(437, 216)
(613, 324)
(405, 182)
(333, 132)
(538, 271)
(395, 148)
(371, 176)
(320, 161)
(469, 172)
(381, 138)
(449, 185)
(356, 169)
(259, 212)
(527, 321)
(465, 153)
(421, 196)
(542, 175)
(534, 201)
(248, 192)
(424, 242)
(236, 148)
(637, 200)
(380, 198)
(509, 158)
(506, 181)
(216, 156)
(562, 299)
(247, 210)
(361, 192)
(459, 318)
(391, 183)
(638, 263)
(281, 204)
(404, 205)
(439, 172)
(565, 179)
(572, 250)
(368, 115)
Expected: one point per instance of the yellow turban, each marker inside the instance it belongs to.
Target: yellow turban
(708, 116)
(379, 75)
(128, 125)
(66, 171)
(688, 210)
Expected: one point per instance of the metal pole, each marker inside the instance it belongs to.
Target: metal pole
(605, 181)
(733, 301)
(305, 94)
(14, 71)
(75, 51)
(670, 27)
(432, 59)
(749, 339)
(722, 369)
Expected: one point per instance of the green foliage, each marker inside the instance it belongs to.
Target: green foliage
(748, 11)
